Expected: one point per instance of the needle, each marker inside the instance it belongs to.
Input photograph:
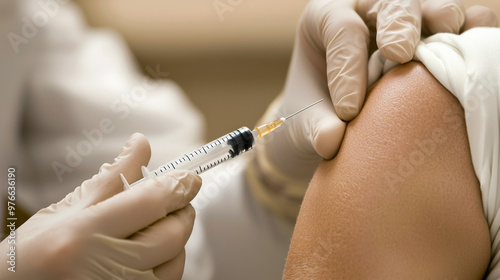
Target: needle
(305, 108)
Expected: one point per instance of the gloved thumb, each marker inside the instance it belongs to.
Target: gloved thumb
(326, 130)
(106, 183)
(308, 138)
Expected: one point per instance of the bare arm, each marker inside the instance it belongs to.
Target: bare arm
(400, 200)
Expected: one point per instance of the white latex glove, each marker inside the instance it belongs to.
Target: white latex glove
(100, 232)
(330, 61)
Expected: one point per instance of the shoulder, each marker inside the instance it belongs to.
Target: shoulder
(400, 200)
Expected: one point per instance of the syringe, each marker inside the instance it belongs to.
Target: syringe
(216, 152)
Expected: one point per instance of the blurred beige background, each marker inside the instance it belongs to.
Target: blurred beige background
(230, 61)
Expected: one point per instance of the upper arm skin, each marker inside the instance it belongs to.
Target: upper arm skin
(400, 200)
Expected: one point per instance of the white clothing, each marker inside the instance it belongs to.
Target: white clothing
(69, 84)
(71, 96)
(468, 65)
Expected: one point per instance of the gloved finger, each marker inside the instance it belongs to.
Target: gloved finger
(336, 28)
(325, 130)
(398, 29)
(315, 135)
(109, 253)
(106, 183)
(163, 240)
(443, 16)
(173, 269)
(479, 16)
(128, 212)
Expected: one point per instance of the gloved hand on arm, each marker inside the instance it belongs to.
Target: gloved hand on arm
(330, 60)
(100, 231)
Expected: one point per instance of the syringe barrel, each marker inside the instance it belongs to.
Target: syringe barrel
(211, 154)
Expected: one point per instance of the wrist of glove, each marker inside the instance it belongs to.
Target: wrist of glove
(274, 189)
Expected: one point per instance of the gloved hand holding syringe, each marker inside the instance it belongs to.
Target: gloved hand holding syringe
(218, 151)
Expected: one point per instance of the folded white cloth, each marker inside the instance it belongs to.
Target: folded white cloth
(468, 65)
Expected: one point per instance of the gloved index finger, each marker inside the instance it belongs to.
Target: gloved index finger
(130, 211)
(398, 28)
(477, 16)
(443, 16)
(340, 30)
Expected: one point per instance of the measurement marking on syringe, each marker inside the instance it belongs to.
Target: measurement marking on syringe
(221, 150)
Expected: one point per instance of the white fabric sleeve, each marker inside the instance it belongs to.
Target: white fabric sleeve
(12, 68)
(468, 65)
(85, 95)
(71, 96)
